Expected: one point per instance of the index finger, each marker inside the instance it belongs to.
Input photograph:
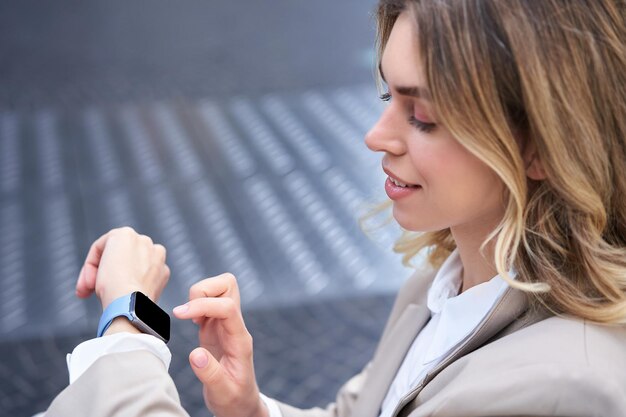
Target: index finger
(224, 309)
(86, 283)
(219, 286)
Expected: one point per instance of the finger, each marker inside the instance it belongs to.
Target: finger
(90, 278)
(93, 258)
(210, 372)
(146, 243)
(86, 279)
(213, 307)
(156, 277)
(224, 284)
(160, 253)
(80, 278)
(86, 283)
(218, 308)
(97, 248)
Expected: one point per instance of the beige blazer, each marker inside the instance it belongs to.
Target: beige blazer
(516, 363)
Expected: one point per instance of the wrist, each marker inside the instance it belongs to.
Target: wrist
(109, 296)
(121, 325)
(140, 314)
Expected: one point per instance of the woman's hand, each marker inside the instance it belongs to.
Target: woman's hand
(223, 362)
(120, 262)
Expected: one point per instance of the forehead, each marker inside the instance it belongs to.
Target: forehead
(401, 61)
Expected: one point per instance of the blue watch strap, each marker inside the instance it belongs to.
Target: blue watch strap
(118, 307)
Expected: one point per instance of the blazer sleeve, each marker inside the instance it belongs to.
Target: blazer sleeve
(129, 384)
(343, 405)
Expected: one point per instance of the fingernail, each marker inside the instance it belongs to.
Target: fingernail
(181, 309)
(200, 359)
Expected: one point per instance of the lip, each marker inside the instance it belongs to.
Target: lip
(395, 177)
(395, 192)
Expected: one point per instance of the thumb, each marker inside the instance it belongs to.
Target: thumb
(209, 371)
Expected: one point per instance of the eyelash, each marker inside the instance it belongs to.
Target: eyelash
(413, 121)
(423, 126)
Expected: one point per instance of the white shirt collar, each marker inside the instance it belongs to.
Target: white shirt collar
(457, 314)
(447, 282)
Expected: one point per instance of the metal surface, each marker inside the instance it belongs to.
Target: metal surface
(249, 186)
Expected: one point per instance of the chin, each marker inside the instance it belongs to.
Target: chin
(407, 222)
(414, 222)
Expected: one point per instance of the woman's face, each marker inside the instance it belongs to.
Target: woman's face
(455, 189)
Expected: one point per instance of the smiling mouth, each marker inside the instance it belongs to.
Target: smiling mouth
(393, 180)
(401, 184)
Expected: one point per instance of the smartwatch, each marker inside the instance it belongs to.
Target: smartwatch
(141, 311)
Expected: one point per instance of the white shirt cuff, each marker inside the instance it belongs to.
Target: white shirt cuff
(85, 354)
(272, 406)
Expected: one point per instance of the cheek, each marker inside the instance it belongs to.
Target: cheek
(458, 185)
(436, 163)
(476, 191)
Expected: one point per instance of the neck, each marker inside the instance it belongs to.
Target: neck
(476, 268)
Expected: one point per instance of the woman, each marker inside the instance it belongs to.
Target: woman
(505, 144)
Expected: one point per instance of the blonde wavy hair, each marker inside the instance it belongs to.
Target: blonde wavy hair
(554, 72)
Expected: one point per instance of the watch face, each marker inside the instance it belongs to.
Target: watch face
(152, 315)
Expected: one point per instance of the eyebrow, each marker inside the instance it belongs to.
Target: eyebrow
(417, 92)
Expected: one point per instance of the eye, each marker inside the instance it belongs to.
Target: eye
(385, 97)
(422, 126)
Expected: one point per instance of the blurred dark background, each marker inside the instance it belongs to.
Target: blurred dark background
(84, 52)
(230, 132)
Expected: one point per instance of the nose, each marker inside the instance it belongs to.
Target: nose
(386, 135)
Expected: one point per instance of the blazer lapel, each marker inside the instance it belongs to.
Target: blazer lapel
(510, 308)
(391, 353)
